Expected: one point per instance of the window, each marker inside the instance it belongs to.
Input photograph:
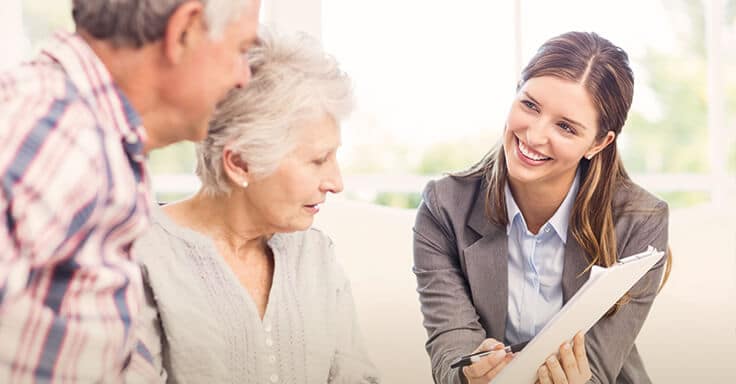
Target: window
(434, 81)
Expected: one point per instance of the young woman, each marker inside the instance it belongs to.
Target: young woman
(500, 248)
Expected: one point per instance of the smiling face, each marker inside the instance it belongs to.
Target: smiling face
(288, 199)
(551, 126)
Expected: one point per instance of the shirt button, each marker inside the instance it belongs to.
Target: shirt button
(269, 341)
(267, 327)
(546, 229)
(272, 359)
(131, 138)
(274, 378)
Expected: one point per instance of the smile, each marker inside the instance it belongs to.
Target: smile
(530, 153)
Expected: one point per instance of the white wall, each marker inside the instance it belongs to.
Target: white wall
(15, 42)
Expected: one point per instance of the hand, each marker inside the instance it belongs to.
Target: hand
(485, 369)
(574, 368)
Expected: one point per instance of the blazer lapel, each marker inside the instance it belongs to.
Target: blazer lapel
(575, 263)
(486, 263)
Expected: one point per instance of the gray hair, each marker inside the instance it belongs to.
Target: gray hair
(137, 22)
(293, 81)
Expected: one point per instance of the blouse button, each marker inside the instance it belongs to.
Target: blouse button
(274, 378)
(269, 341)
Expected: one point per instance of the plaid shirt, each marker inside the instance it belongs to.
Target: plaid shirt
(74, 194)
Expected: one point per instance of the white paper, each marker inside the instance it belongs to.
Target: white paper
(604, 288)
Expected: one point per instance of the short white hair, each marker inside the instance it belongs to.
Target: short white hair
(293, 81)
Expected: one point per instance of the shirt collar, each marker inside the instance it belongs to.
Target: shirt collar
(561, 218)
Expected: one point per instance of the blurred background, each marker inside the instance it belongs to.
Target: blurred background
(434, 80)
(434, 83)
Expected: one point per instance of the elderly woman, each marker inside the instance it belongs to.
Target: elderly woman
(240, 289)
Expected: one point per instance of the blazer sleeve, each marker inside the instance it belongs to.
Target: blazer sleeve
(611, 340)
(450, 318)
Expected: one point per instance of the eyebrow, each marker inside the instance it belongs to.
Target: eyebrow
(569, 120)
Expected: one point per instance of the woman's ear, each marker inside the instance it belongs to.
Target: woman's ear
(235, 168)
(601, 145)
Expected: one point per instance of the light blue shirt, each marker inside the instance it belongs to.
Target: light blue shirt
(535, 268)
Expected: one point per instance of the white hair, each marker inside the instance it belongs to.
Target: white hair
(137, 22)
(293, 81)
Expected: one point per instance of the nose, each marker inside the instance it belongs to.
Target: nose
(536, 132)
(333, 181)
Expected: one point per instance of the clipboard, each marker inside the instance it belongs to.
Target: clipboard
(604, 287)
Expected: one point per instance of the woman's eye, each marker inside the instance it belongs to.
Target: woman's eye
(529, 105)
(566, 127)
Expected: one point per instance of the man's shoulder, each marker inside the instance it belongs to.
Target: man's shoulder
(38, 102)
(39, 79)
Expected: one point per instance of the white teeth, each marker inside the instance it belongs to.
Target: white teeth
(526, 152)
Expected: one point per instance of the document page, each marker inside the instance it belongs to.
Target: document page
(603, 289)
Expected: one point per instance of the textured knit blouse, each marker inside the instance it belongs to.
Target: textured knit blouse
(200, 325)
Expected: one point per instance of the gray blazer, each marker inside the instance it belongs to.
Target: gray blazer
(460, 262)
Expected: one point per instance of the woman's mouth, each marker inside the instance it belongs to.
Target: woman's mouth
(313, 208)
(529, 153)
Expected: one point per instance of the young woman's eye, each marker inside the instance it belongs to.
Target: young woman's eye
(566, 127)
(529, 105)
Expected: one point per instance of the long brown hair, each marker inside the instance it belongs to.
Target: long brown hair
(603, 69)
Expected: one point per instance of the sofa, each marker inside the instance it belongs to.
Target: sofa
(689, 337)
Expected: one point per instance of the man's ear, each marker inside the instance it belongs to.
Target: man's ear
(235, 167)
(601, 145)
(185, 28)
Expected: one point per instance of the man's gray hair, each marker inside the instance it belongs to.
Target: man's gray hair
(293, 82)
(137, 22)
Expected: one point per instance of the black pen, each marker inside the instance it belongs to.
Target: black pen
(463, 361)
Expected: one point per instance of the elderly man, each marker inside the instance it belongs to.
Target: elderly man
(75, 126)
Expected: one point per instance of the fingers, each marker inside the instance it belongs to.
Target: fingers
(484, 365)
(543, 375)
(569, 365)
(488, 366)
(581, 356)
(568, 361)
(489, 344)
(555, 370)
